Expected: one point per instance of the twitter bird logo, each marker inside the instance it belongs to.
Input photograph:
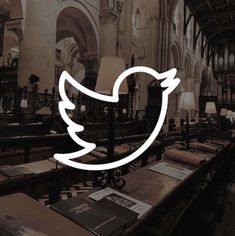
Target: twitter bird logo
(169, 83)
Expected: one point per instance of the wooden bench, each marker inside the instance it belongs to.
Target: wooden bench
(18, 156)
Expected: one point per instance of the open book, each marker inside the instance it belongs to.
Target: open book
(171, 170)
(121, 199)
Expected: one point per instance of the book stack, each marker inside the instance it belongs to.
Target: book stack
(12, 172)
(102, 218)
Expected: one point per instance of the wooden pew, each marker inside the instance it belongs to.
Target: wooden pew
(150, 187)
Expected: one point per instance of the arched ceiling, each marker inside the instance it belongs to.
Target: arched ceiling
(73, 23)
(216, 18)
(4, 10)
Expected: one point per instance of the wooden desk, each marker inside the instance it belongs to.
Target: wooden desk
(27, 142)
(46, 172)
(27, 129)
(145, 185)
(32, 213)
(156, 189)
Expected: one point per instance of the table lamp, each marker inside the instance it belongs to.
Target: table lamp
(210, 110)
(233, 117)
(223, 112)
(110, 69)
(83, 108)
(23, 106)
(229, 115)
(187, 102)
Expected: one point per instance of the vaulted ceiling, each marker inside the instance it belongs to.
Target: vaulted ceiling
(216, 18)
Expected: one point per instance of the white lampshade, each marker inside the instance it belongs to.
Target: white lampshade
(210, 108)
(229, 113)
(24, 103)
(83, 108)
(187, 101)
(223, 112)
(124, 111)
(233, 114)
(110, 69)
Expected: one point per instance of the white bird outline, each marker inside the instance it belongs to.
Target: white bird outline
(170, 83)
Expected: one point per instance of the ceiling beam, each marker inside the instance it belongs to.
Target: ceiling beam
(215, 34)
(193, 13)
(218, 13)
(222, 27)
(203, 27)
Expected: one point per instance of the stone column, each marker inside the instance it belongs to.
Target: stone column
(178, 91)
(108, 32)
(128, 30)
(37, 48)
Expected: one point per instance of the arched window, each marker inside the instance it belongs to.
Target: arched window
(137, 18)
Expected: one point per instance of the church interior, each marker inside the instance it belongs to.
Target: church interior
(155, 157)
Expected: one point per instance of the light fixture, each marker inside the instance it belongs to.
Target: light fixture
(110, 69)
(229, 116)
(83, 108)
(124, 111)
(23, 106)
(24, 103)
(229, 113)
(233, 117)
(223, 112)
(187, 102)
(210, 108)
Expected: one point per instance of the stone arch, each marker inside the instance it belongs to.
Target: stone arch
(204, 84)
(85, 13)
(197, 80)
(172, 4)
(10, 41)
(176, 55)
(138, 49)
(188, 67)
(16, 8)
(71, 52)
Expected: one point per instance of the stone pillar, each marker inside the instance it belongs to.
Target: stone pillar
(108, 32)
(128, 30)
(163, 44)
(229, 91)
(37, 48)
